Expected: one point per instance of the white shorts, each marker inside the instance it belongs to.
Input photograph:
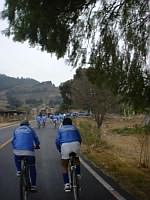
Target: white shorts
(67, 148)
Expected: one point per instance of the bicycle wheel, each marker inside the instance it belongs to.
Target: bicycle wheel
(23, 188)
(24, 181)
(75, 185)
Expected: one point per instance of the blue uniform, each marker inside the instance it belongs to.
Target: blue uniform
(23, 141)
(24, 138)
(67, 134)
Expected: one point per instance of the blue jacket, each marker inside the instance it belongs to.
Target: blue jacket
(24, 138)
(39, 119)
(67, 134)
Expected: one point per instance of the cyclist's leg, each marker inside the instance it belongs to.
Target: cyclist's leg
(64, 161)
(18, 162)
(65, 170)
(32, 169)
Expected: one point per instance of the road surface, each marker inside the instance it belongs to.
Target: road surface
(49, 177)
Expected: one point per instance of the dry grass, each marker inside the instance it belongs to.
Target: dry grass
(117, 155)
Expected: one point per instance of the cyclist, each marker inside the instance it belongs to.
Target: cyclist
(68, 140)
(44, 119)
(39, 120)
(24, 141)
(55, 120)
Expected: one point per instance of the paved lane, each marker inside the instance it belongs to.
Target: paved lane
(49, 178)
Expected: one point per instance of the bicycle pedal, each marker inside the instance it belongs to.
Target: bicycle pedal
(34, 189)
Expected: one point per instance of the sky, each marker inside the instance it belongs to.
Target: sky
(20, 60)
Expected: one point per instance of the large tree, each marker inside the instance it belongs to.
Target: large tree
(65, 90)
(111, 36)
(45, 23)
(84, 95)
(55, 24)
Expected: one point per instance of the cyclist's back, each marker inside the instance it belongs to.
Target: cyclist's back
(23, 141)
(68, 140)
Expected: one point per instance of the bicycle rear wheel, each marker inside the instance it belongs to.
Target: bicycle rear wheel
(75, 185)
(23, 188)
(24, 183)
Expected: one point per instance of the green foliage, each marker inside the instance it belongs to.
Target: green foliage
(65, 90)
(112, 37)
(43, 22)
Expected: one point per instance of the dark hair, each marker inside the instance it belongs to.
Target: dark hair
(24, 123)
(67, 121)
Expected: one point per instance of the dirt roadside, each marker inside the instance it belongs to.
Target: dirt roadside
(117, 155)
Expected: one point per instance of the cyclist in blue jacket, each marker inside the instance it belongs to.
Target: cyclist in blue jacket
(24, 142)
(68, 140)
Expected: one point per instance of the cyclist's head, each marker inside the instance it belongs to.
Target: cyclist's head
(40, 114)
(67, 121)
(24, 123)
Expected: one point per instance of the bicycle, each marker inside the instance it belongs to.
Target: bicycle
(25, 184)
(74, 181)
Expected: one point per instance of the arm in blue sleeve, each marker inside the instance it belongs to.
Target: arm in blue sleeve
(36, 139)
(57, 141)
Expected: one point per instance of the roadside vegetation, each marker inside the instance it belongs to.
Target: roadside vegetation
(118, 152)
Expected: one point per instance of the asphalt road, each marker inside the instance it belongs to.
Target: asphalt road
(49, 178)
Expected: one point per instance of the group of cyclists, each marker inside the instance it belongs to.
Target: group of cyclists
(55, 119)
(25, 140)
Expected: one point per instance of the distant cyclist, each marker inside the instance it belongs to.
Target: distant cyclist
(68, 140)
(55, 120)
(39, 120)
(44, 119)
(24, 142)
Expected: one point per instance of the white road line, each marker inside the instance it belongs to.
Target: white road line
(7, 126)
(5, 143)
(102, 181)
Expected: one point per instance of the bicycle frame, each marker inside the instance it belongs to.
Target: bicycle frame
(24, 180)
(73, 176)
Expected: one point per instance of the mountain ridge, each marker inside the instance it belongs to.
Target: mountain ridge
(26, 92)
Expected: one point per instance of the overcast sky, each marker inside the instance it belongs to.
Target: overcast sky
(20, 60)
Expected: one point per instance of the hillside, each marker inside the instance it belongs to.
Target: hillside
(24, 92)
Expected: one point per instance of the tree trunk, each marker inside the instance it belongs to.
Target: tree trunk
(99, 117)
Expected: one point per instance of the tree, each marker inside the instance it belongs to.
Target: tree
(54, 25)
(65, 90)
(85, 95)
(111, 36)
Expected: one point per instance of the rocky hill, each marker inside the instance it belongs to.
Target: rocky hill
(25, 92)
